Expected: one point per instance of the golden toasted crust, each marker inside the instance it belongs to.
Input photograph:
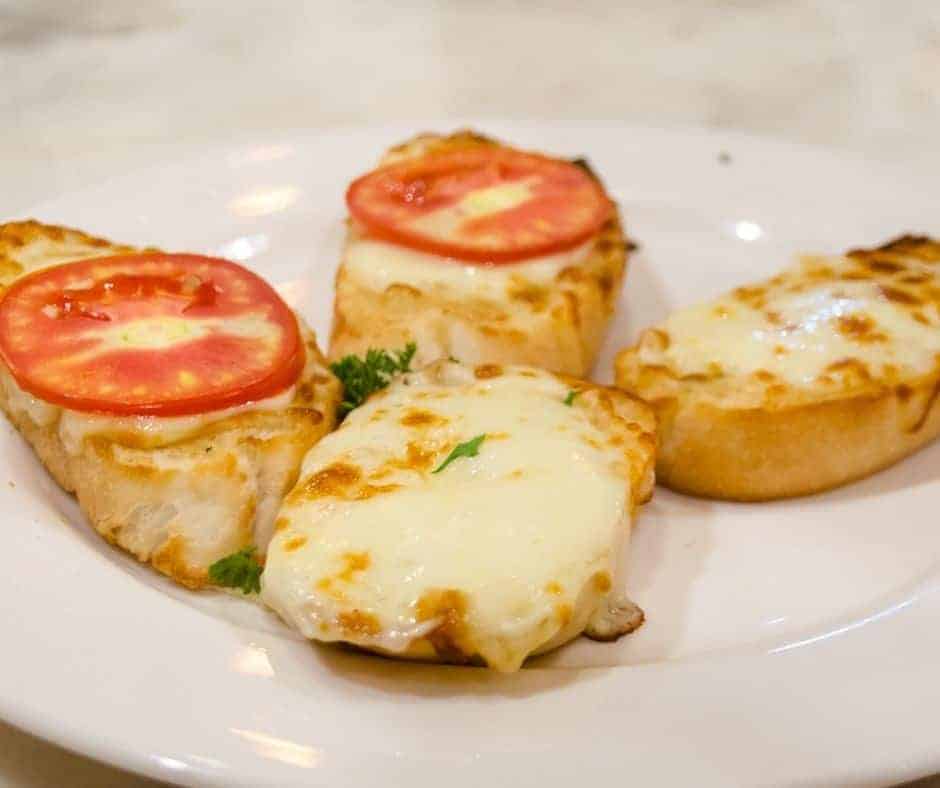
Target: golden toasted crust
(179, 504)
(28, 245)
(757, 437)
(559, 326)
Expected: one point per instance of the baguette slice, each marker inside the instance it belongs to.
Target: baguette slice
(551, 314)
(193, 490)
(824, 374)
(466, 515)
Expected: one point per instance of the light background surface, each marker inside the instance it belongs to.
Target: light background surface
(90, 88)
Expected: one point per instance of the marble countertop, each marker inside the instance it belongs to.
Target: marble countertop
(88, 88)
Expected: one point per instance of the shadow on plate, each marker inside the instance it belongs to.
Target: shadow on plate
(428, 680)
(919, 469)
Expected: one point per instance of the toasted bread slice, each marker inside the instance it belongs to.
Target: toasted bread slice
(184, 492)
(823, 374)
(551, 313)
(466, 515)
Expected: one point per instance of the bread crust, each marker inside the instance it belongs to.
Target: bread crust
(28, 245)
(177, 504)
(756, 439)
(559, 327)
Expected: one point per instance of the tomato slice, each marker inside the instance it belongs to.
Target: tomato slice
(149, 334)
(482, 205)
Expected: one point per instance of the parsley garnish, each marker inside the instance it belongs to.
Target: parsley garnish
(469, 449)
(238, 570)
(569, 400)
(360, 378)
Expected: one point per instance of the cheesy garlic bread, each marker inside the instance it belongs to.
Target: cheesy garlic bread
(175, 395)
(466, 515)
(480, 252)
(825, 373)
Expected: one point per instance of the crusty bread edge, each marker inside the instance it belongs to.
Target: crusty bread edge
(768, 453)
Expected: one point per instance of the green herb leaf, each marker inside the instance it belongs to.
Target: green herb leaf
(569, 400)
(238, 570)
(470, 448)
(361, 377)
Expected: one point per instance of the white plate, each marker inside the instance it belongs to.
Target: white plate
(785, 642)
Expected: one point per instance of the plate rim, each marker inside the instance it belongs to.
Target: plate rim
(109, 750)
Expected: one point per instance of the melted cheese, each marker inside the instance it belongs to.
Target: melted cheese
(379, 265)
(501, 555)
(799, 326)
(144, 431)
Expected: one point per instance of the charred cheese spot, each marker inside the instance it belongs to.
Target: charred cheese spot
(860, 327)
(486, 371)
(354, 562)
(417, 458)
(334, 481)
(663, 340)
(900, 296)
(755, 297)
(419, 417)
(852, 366)
(401, 289)
(880, 266)
(573, 275)
(534, 296)
(358, 622)
(602, 582)
(372, 490)
(329, 589)
(171, 559)
(448, 608)
(295, 543)
(306, 393)
(605, 283)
